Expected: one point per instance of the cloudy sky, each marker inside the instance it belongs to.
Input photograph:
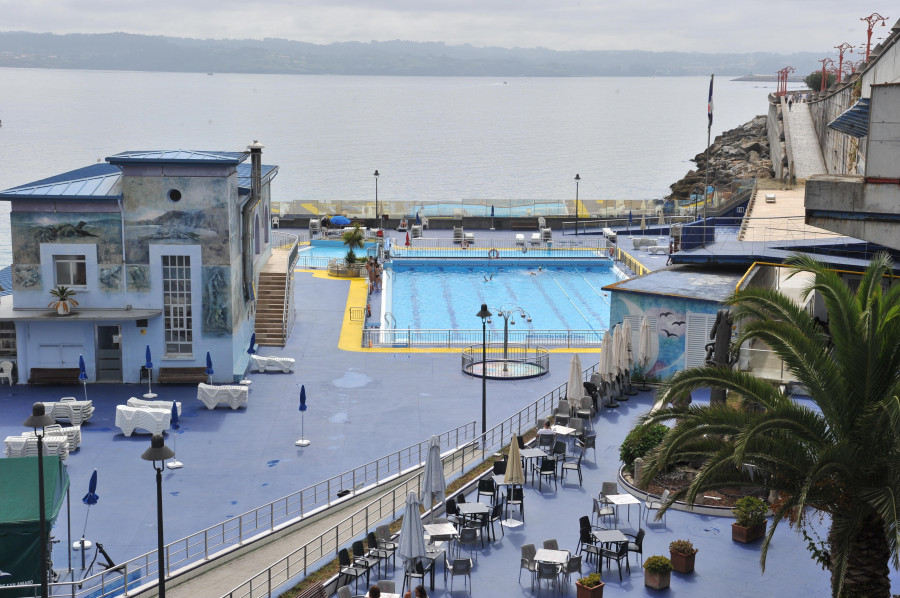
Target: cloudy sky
(656, 25)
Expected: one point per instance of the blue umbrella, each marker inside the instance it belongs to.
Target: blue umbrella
(418, 220)
(89, 499)
(303, 441)
(492, 210)
(209, 369)
(176, 425)
(629, 222)
(251, 350)
(82, 374)
(149, 364)
(149, 368)
(340, 220)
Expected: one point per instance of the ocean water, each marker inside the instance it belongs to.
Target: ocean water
(431, 138)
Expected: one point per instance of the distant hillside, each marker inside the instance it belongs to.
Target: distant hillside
(122, 51)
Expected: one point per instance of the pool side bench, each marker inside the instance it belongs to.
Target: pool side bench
(53, 376)
(174, 375)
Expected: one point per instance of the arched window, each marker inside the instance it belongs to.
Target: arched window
(256, 234)
(268, 222)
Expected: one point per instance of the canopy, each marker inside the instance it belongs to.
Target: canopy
(514, 473)
(574, 388)
(20, 525)
(411, 544)
(433, 482)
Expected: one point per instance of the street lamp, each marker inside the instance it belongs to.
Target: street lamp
(577, 180)
(158, 451)
(841, 49)
(872, 19)
(506, 314)
(39, 419)
(377, 221)
(484, 314)
(696, 198)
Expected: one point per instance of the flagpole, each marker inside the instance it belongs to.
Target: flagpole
(706, 170)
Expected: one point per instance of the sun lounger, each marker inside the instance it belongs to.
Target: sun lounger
(416, 231)
(26, 446)
(535, 238)
(155, 421)
(470, 238)
(262, 363)
(72, 434)
(610, 234)
(641, 242)
(542, 223)
(136, 402)
(233, 396)
(458, 234)
(520, 239)
(770, 198)
(68, 408)
(546, 235)
(658, 249)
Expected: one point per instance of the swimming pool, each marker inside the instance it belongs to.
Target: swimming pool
(442, 295)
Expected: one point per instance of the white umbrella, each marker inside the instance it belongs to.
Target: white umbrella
(629, 355)
(607, 368)
(433, 483)
(619, 360)
(643, 224)
(645, 346)
(514, 474)
(662, 218)
(574, 388)
(411, 544)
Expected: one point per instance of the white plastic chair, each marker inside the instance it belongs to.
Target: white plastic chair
(6, 371)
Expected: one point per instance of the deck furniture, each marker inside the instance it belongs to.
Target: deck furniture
(69, 408)
(658, 249)
(155, 421)
(176, 375)
(136, 402)
(520, 240)
(232, 395)
(535, 238)
(263, 363)
(72, 433)
(53, 376)
(6, 371)
(26, 446)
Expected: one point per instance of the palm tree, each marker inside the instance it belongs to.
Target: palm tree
(353, 239)
(841, 458)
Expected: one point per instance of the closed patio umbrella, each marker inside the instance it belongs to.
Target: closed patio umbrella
(89, 499)
(149, 366)
(303, 441)
(252, 349)
(574, 389)
(643, 224)
(662, 218)
(629, 356)
(411, 543)
(514, 473)
(82, 374)
(607, 367)
(433, 482)
(209, 368)
(645, 350)
(176, 425)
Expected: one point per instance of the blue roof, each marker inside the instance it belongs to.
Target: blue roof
(855, 120)
(178, 156)
(98, 181)
(244, 170)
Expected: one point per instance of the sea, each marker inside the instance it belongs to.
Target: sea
(430, 138)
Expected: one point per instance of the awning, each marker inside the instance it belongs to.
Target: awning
(854, 121)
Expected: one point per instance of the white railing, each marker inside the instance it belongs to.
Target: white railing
(484, 248)
(409, 338)
(234, 532)
(388, 506)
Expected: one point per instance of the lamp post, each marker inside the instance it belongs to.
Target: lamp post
(377, 221)
(577, 180)
(696, 198)
(39, 419)
(158, 451)
(825, 62)
(484, 314)
(506, 314)
(872, 19)
(843, 47)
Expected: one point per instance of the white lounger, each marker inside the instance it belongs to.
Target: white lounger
(136, 402)
(72, 434)
(520, 239)
(155, 421)
(211, 395)
(535, 238)
(261, 363)
(68, 408)
(657, 249)
(26, 446)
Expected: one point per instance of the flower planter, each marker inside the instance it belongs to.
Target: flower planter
(746, 535)
(657, 581)
(586, 592)
(683, 563)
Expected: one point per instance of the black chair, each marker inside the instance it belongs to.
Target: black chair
(362, 559)
(348, 569)
(548, 470)
(559, 452)
(418, 572)
(637, 545)
(460, 498)
(521, 442)
(618, 554)
(500, 467)
(515, 496)
(496, 515)
(546, 440)
(587, 543)
(487, 487)
(573, 465)
(451, 510)
(591, 390)
(376, 552)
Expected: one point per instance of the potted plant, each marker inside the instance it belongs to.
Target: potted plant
(657, 572)
(682, 555)
(750, 519)
(62, 302)
(353, 239)
(590, 586)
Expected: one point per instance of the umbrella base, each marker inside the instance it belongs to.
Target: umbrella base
(173, 464)
(78, 544)
(150, 395)
(245, 382)
(611, 405)
(302, 442)
(512, 523)
(644, 388)
(631, 392)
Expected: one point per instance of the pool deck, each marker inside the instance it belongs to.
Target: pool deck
(363, 405)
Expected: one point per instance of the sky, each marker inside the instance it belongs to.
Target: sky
(783, 26)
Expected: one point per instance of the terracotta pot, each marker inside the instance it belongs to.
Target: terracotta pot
(746, 535)
(683, 563)
(586, 592)
(657, 581)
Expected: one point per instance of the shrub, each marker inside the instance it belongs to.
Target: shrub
(684, 547)
(658, 564)
(749, 511)
(641, 440)
(591, 581)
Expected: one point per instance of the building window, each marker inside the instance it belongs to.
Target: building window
(177, 318)
(71, 270)
(8, 338)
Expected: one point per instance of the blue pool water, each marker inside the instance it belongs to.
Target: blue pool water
(332, 250)
(442, 295)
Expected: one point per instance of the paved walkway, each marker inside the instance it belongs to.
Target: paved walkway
(805, 150)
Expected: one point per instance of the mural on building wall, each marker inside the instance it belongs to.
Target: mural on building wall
(110, 277)
(30, 229)
(172, 227)
(138, 279)
(26, 276)
(216, 301)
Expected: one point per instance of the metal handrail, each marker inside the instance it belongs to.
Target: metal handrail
(206, 544)
(447, 338)
(287, 314)
(277, 575)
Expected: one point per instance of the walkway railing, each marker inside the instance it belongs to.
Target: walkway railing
(266, 583)
(635, 266)
(234, 532)
(410, 338)
(484, 248)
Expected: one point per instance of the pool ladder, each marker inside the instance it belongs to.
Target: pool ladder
(390, 321)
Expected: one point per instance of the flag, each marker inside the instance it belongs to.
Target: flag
(709, 105)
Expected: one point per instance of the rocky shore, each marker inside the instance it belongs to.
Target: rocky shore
(741, 153)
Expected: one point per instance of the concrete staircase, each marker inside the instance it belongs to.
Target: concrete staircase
(271, 324)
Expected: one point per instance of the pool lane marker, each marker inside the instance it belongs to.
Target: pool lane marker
(350, 338)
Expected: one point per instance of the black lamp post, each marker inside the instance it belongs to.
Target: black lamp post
(696, 199)
(377, 221)
(506, 314)
(39, 419)
(577, 180)
(484, 314)
(158, 451)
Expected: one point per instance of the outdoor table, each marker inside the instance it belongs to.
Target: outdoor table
(563, 430)
(528, 454)
(609, 536)
(387, 595)
(433, 552)
(554, 557)
(472, 509)
(624, 499)
(441, 531)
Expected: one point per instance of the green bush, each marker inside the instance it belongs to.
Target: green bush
(641, 440)
(658, 564)
(591, 581)
(749, 511)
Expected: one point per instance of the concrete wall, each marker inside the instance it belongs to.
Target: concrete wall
(774, 133)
